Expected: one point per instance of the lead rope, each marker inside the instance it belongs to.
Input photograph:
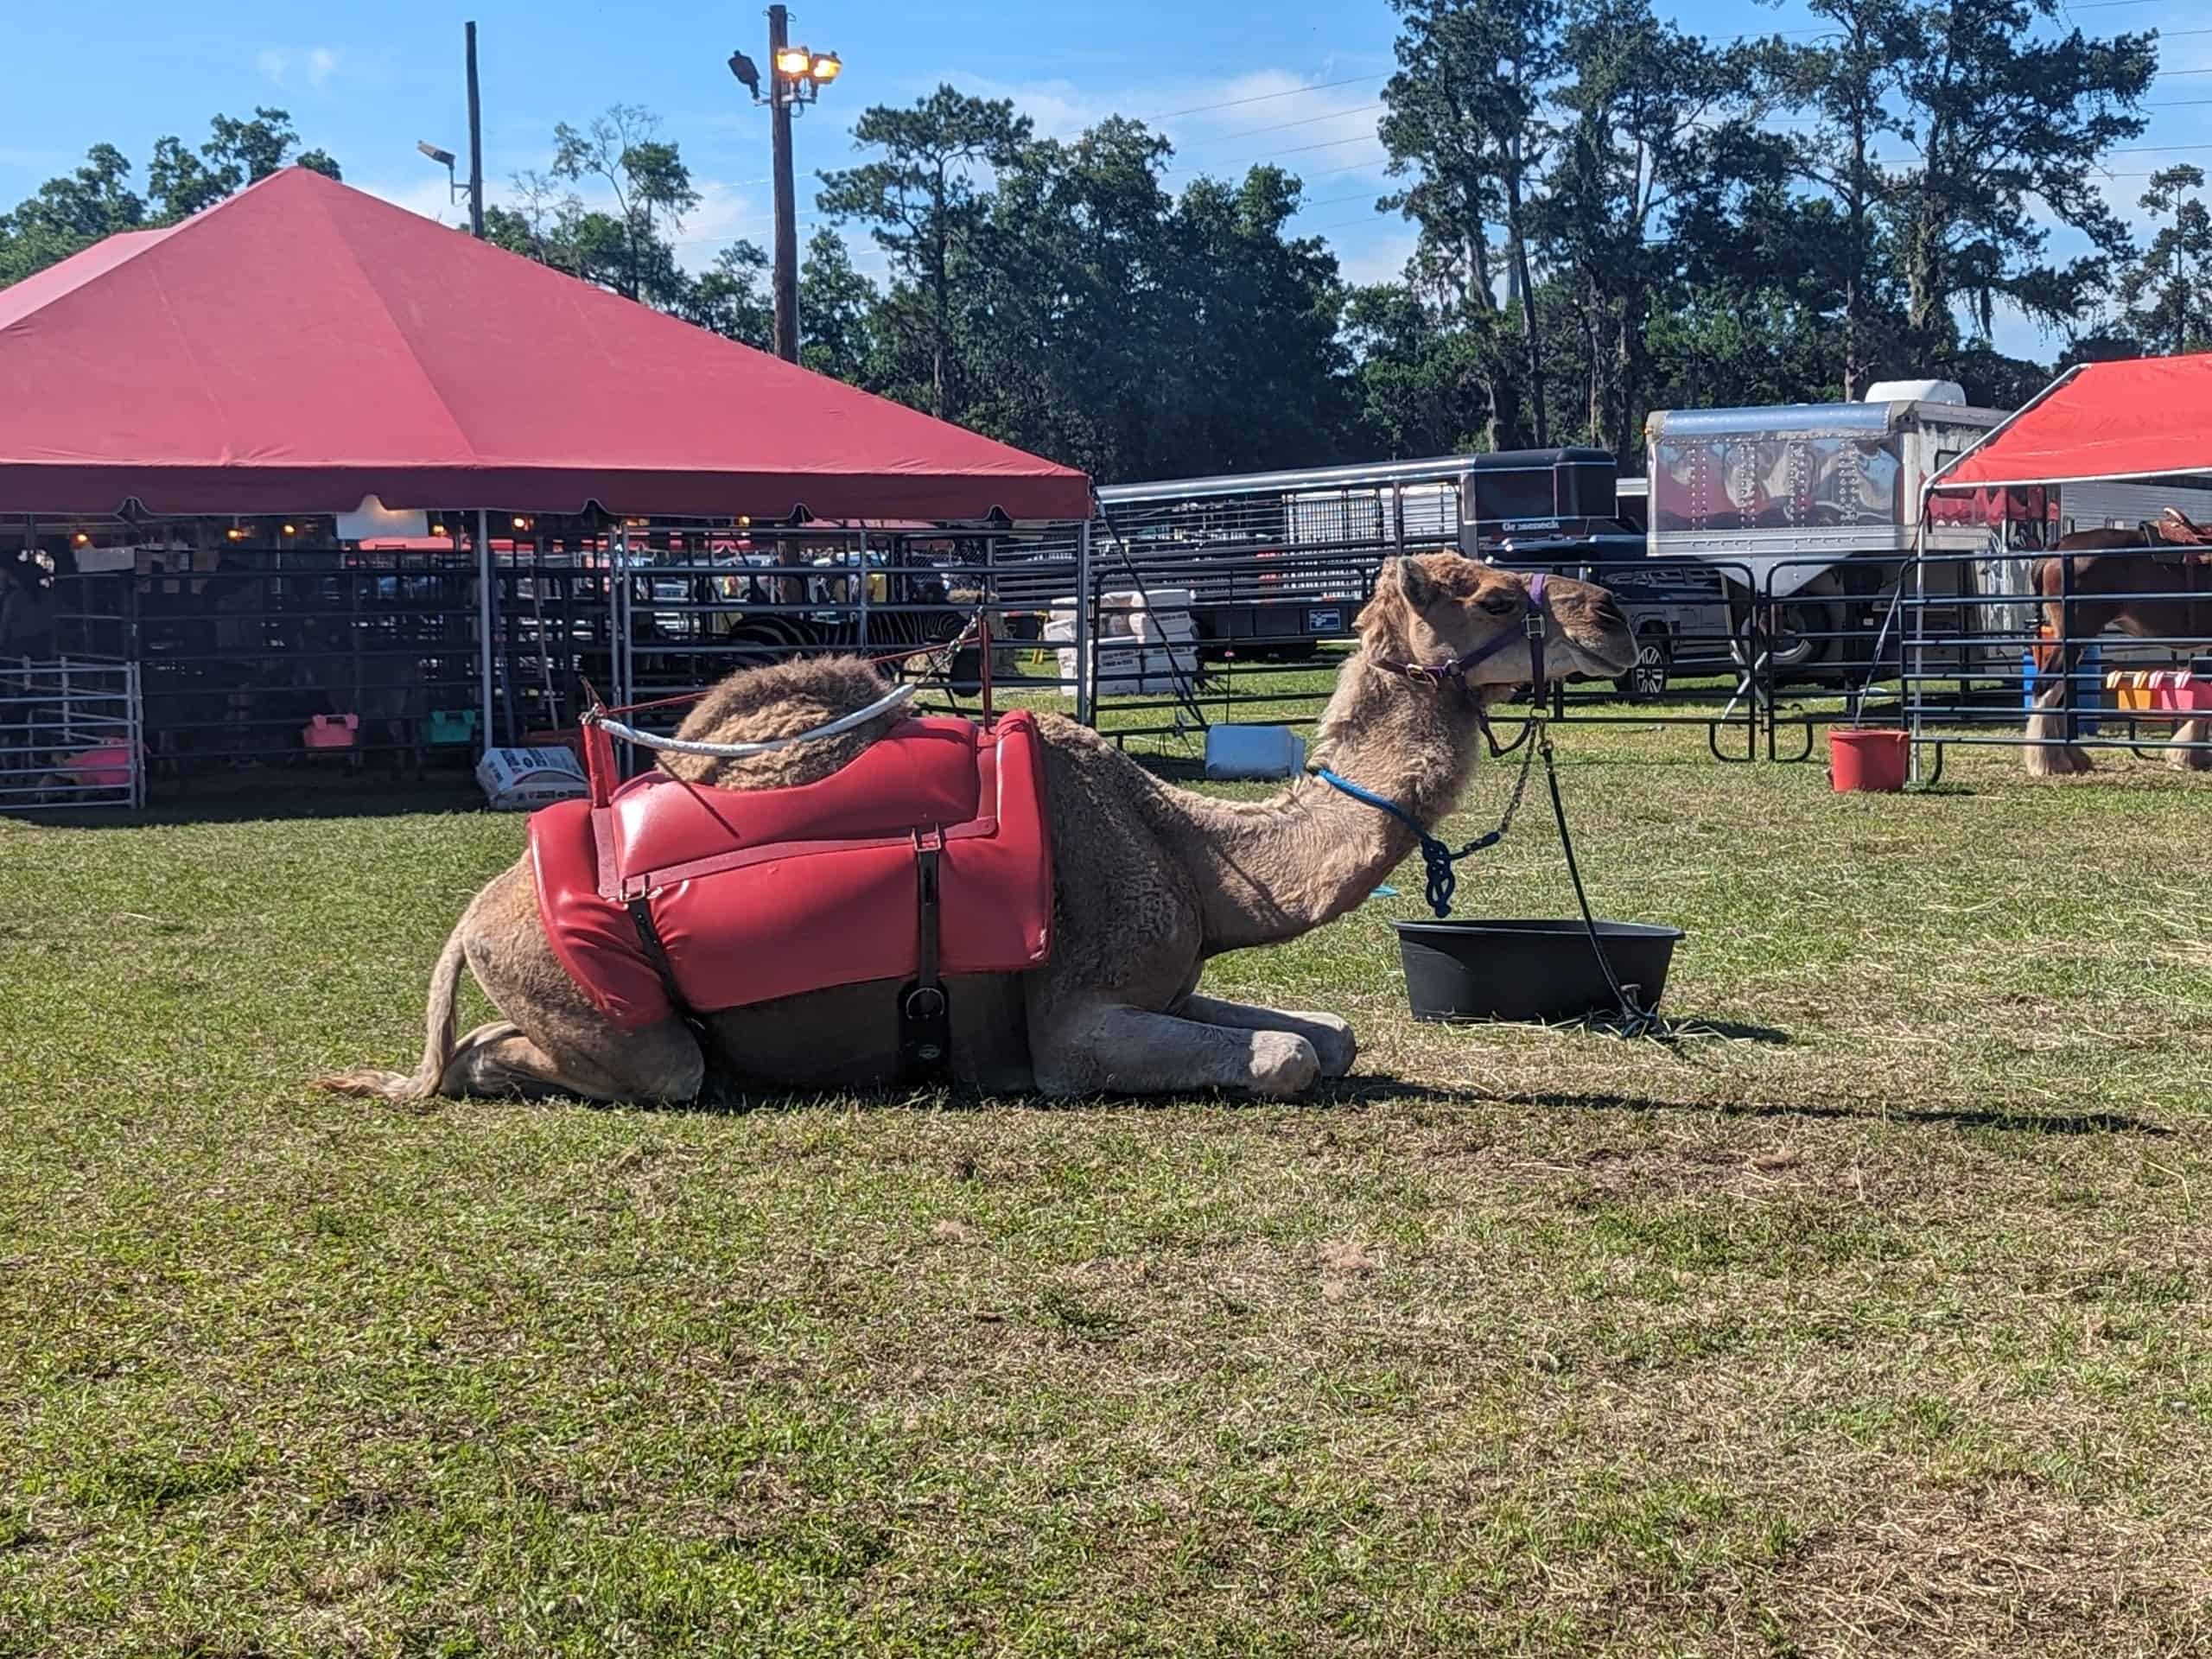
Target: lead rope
(1439, 857)
(1636, 1021)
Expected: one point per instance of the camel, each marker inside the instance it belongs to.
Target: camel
(1151, 881)
(2154, 582)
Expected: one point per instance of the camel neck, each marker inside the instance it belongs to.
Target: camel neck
(1275, 869)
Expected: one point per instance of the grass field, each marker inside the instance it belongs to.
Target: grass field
(1871, 1321)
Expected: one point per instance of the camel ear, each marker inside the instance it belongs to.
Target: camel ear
(1413, 583)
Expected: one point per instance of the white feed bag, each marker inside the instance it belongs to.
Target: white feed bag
(522, 780)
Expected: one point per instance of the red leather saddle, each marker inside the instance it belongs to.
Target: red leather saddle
(929, 854)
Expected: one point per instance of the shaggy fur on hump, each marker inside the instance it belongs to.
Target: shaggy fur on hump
(756, 705)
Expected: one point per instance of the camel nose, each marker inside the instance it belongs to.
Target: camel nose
(1609, 613)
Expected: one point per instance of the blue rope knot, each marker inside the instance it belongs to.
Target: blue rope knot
(1437, 857)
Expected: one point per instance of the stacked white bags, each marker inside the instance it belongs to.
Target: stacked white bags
(1146, 644)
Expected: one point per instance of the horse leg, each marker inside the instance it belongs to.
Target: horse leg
(2048, 753)
(2185, 758)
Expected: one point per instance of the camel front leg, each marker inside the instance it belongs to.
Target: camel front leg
(1114, 1049)
(1331, 1037)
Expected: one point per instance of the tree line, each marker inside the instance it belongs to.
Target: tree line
(1612, 215)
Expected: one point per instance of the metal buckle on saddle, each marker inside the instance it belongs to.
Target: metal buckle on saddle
(924, 1012)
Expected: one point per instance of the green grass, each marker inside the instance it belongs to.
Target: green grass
(1873, 1323)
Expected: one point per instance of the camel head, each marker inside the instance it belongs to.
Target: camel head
(1439, 608)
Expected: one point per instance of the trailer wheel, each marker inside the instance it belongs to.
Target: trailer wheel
(1802, 630)
(1654, 663)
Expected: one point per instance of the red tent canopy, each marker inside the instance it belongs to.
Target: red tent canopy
(2148, 417)
(304, 345)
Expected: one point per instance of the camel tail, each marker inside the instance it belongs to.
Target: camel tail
(437, 1039)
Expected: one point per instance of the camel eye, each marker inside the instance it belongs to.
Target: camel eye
(1500, 604)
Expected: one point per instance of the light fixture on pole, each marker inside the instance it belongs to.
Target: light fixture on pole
(797, 75)
(445, 159)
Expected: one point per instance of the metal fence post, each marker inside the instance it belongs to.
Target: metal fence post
(1916, 653)
(483, 623)
(1085, 700)
(864, 577)
(135, 726)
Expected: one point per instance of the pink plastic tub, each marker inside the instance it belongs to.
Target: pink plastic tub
(2179, 691)
(107, 767)
(330, 731)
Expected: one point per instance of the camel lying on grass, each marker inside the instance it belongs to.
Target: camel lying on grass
(1150, 881)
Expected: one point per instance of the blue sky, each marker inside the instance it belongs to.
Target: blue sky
(1296, 81)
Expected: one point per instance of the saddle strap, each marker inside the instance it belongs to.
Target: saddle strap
(924, 1012)
(641, 915)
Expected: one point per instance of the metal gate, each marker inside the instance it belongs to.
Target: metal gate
(70, 734)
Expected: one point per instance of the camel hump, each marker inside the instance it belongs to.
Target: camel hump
(758, 705)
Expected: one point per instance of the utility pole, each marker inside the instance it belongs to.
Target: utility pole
(781, 96)
(475, 147)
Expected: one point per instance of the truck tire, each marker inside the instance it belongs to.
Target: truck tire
(1654, 663)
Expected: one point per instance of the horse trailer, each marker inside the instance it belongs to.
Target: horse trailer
(1813, 513)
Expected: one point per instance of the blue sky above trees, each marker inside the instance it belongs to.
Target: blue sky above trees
(1295, 83)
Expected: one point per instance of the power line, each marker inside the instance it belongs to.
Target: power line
(1305, 121)
(1262, 98)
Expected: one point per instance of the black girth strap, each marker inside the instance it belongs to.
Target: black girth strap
(924, 1014)
(641, 914)
(716, 1084)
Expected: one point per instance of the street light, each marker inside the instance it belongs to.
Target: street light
(797, 76)
(445, 159)
(801, 72)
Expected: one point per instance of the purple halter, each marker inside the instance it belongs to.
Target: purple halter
(1532, 630)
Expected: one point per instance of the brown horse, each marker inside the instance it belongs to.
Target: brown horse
(2154, 581)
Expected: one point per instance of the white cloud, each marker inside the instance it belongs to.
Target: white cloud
(730, 209)
(426, 197)
(1221, 125)
(285, 66)
(1374, 258)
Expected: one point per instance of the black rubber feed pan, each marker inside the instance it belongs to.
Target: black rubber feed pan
(1484, 970)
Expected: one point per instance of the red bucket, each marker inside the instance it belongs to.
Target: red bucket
(1868, 759)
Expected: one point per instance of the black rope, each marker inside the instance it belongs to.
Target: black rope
(1636, 1021)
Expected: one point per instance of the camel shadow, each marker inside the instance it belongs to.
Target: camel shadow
(1358, 1090)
